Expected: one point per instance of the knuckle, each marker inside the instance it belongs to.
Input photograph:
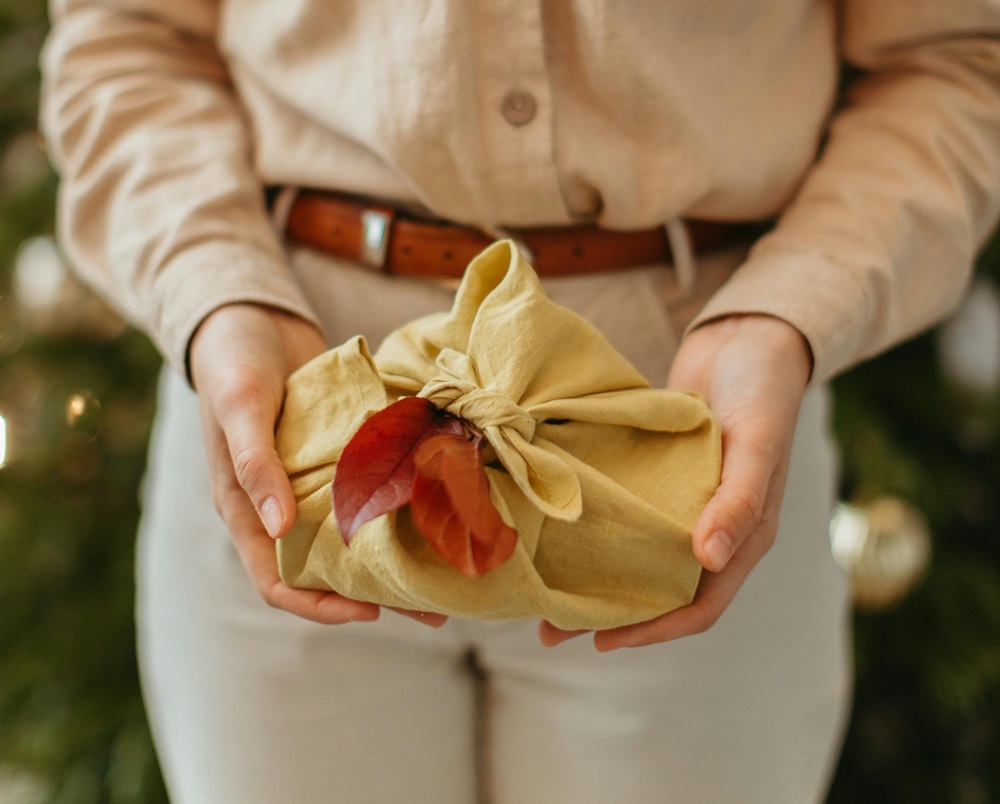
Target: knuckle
(222, 499)
(767, 537)
(239, 378)
(242, 388)
(269, 594)
(217, 501)
(251, 464)
(705, 621)
(746, 507)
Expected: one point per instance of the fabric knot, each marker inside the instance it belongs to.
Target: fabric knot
(546, 479)
(483, 409)
(457, 391)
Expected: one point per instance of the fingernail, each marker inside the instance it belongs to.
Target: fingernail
(719, 549)
(270, 515)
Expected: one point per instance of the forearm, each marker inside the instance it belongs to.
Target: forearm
(159, 206)
(880, 240)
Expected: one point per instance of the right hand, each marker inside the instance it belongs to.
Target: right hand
(241, 356)
(752, 371)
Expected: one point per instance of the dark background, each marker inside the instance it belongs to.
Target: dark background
(76, 393)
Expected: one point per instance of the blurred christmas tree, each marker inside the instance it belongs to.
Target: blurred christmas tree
(921, 424)
(75, 401)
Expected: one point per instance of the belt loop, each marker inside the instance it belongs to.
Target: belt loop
(681, 253)
(281, 207)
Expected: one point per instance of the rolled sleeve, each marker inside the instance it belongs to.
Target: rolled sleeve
(160, 209)
(880, 240)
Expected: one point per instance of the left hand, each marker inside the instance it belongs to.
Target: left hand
(241, 357)
(752, 372)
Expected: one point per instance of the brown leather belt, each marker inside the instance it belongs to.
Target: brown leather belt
(387, 240)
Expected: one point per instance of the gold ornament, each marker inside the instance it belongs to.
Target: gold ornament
(884, 545)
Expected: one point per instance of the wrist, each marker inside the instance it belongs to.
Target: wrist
(774, 336)
(255, 334)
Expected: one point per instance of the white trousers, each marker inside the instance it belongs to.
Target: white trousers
(250, 705)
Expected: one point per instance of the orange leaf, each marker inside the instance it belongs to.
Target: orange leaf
(452, 508)
(376, 470)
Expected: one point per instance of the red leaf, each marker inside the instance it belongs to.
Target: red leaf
(452, 508)
(376, 469)
(375, 473)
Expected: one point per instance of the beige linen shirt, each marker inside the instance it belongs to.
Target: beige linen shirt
(165, 118)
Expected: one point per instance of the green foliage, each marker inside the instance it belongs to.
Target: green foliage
(69, 702)
(72, 716)
(926, 724)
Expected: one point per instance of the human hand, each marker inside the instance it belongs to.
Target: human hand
(752, 372)
(241, 356)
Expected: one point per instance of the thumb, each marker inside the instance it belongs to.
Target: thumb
(246, 413)
(240, 357)
(739, 506)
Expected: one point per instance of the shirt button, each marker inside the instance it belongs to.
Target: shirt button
(518, 107)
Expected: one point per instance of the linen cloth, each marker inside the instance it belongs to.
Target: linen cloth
(165, 118)
(603, 476)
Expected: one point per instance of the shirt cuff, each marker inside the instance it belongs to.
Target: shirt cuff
(207, 277)
(826, 302)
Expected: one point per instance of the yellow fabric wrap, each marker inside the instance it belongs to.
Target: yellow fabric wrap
(602, 476)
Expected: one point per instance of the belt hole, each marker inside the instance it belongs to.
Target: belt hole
(407, 250)
(577, 251)
(448, 254)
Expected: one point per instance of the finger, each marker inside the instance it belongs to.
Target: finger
(256, 551)
(695, 618)
(715, 592)
(737, 509)
(431, 618)
(247, 411)
(550, 636)
(257, 554)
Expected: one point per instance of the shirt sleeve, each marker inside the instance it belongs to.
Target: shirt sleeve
(880, 240)
(159, 208)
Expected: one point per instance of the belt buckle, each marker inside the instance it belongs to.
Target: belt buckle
(374, 237)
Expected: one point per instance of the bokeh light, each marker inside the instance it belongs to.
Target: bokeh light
(3, 441)
(39, 273)
(83, 414)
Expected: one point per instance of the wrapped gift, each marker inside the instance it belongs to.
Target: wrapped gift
(601, 476)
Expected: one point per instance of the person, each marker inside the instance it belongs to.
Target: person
(168, 121)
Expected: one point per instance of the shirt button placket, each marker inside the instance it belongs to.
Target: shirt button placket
(516, 114)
